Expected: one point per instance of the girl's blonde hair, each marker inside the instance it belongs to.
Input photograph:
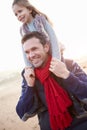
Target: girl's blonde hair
(27, 4)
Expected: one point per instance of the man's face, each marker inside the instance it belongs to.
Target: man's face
(36, 53)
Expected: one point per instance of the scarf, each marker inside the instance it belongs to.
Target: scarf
(57, 99)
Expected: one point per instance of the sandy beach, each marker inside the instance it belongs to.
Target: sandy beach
(10, 88)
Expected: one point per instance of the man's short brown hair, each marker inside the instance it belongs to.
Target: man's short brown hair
(43, 39)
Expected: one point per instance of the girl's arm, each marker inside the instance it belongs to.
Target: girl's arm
(53, 39)
(26, 61)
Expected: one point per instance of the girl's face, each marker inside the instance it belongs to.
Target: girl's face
(22, 13)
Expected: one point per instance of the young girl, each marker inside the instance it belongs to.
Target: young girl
(34, 20)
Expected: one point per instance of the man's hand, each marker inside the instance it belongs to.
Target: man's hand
(59, 68)
(29, 76)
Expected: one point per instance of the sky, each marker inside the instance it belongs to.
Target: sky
(69, 22)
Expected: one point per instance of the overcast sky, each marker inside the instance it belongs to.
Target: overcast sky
(69, 18)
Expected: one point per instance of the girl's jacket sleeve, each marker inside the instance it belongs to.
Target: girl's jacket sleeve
(76, 83)
(53, 38)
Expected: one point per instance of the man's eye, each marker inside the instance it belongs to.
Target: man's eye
(19, 11)
(33, 49)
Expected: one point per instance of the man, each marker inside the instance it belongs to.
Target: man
(53, 90)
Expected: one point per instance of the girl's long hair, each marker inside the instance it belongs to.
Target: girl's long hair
(27, 4)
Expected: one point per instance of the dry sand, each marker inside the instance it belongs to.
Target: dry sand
(9, 94)
(10, 87)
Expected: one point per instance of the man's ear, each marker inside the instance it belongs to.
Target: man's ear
(47, 47)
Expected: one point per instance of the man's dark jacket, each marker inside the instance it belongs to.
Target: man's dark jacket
(32, 100)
